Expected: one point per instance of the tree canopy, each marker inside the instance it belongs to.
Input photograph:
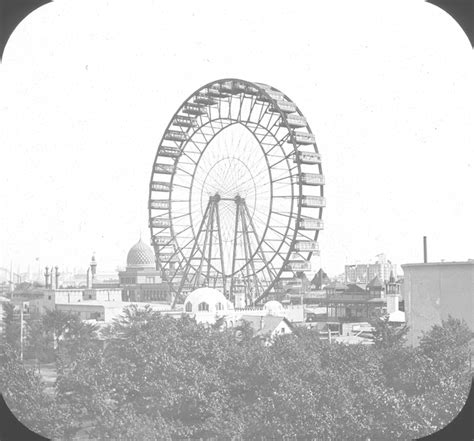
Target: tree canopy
(157, 377)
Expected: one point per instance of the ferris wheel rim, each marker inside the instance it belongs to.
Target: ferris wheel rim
(295, 206)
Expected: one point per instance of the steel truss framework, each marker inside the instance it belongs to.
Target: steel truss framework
(236, 192)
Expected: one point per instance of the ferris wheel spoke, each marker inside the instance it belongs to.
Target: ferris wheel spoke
(240, 109)
(175, 218)
(206, 139)
(281, 160)
(196, 145)
(182, 231)
(269, 129)
(279, 143)
(219, 107)
(263, 110)
(290, 177)
(229, 108)
(184, 171)
(278, 232)
(191, 159)
(254, 101)
(271, 167)
(181, 186)
(290, 215)
(202, 119)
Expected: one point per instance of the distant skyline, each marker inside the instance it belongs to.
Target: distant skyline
(88, 87)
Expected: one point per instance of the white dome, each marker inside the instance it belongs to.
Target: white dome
(207, 300)
(273, 308)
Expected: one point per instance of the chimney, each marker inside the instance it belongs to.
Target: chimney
(425, 250)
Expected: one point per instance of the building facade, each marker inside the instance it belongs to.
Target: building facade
(354, 302)
(435, 291)
(49, 299)
(365, 272)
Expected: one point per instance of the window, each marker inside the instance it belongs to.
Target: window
(49, 297)
(150, 280)
(189, 307)
(203, 306)
(219, 306)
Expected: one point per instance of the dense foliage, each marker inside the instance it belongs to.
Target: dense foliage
(156, 377)
(11, 326)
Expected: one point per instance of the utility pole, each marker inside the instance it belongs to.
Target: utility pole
(21, 330)
(11, 277)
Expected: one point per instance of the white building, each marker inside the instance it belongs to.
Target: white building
(365, 272)
(293, 313)
(107, 311)
(207, 305)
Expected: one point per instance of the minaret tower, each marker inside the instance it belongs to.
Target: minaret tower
(46, 277)
(91, 272)
(93, 265)
(56, 277)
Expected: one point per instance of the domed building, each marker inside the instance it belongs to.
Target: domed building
(207, 305)
(274, 308)
(141, 256)
(141, 281)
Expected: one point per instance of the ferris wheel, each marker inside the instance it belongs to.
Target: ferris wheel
(236, 193)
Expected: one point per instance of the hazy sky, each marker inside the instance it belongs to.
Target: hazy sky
(88, 87)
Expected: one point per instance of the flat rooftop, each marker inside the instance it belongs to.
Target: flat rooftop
(466, 262)
(119, 304)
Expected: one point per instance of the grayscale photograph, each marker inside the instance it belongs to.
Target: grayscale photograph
(236, 221)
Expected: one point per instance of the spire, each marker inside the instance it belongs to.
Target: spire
(392, 286)
(392, 277)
